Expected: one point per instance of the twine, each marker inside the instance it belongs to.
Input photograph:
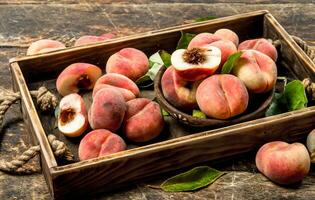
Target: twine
(46, 102)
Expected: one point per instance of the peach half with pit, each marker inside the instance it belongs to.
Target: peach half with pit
(72, 116)
(226, 46)
(76, 77)
(196, 63)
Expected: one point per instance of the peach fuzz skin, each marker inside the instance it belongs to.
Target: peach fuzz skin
(283, 163)
(130, 62)
(107, 110)
(180, 93)
(100, 142)
(43, 46)
(127, 87)
(262, 45)
(143, 120)
(228, 34)
(90, 39)
(256, 70)
(222, 96)
(76, 77)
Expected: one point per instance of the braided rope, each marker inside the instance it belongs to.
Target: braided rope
(46, 101)
(306, 48)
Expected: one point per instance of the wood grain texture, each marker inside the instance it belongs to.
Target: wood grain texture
(22, 23)
(110, 172)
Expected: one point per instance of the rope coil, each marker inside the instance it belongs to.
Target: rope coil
(46, 102)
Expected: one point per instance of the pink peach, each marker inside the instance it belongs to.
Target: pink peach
(130, 62)
(283, 163)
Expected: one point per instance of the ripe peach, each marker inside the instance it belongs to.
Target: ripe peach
(100, 142)
(261, 45)
(43, 46)
(283, 163)
(72, 116)
(222, 96)
(180, 93)
(203, 39)
(78, 76)
(130, 62)
(127, 87)
(196, 63)
(227, 34)
(107, 110)
(256, 70)
(227, 47)
(143, 120)
(89, 39)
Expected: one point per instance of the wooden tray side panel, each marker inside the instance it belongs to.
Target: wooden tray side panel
(189, 151)
(33, 126)
(292, 57)
(48, 66)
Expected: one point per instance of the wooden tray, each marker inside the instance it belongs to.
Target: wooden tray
(178, 147)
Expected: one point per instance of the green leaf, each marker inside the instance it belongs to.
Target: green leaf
(229, 64)
(164, 112)
(156, 61)
(295, 95)
(191, 180)
(155, 58)
(276, 107)
(166, 58)
(184, 40)
(292, 98)
(199, 114)
(201, 19)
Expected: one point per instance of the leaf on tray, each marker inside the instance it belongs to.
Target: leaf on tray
(276, 107)
(184, 40)
(156, 61)
(199, 114)
(229, 64)
(201, 19)
(292, 98)
(295, 95)
(193, 179)
(166, 58)
(164, 112)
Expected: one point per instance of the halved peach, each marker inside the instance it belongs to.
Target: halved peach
(72, 116)
(76, 77)
(196, 63)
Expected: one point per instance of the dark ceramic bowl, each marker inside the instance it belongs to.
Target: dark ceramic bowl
(258, 103)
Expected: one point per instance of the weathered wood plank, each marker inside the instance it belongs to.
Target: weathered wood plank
(22, 24)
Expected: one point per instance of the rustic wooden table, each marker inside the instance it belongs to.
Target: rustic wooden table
(25, 21)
